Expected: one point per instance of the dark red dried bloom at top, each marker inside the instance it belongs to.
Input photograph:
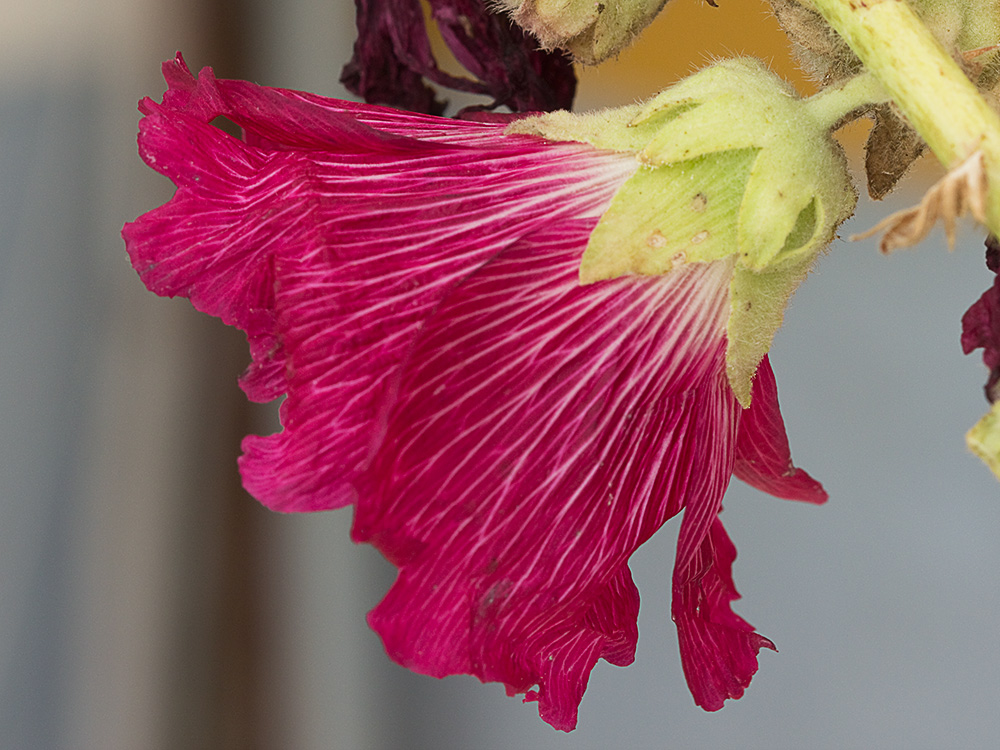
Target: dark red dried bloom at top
(393, 61)
(981, 323)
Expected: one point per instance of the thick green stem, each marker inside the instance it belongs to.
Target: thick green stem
(924, 81)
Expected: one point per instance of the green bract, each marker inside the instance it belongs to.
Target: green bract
(732, 165)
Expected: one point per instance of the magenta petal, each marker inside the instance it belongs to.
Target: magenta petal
(763, 458)
(331, 259)
(718, 648)
(544, 431)
(214, 240)
(615, 614)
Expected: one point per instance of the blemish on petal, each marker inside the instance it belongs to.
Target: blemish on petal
(699, 203)
(656, 239)
(700, 237)
(492, 601)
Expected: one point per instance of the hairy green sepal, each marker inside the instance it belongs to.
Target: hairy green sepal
(732, 165)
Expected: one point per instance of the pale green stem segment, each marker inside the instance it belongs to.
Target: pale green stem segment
(831, 105)
(925, 83)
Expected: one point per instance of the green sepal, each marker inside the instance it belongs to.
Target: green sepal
(733, 104)
(799, 173)
(697, 200)
(608, 129)
(757, 301)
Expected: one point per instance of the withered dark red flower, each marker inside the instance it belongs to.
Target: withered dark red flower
(508, 436)
(981, 323)
(393, 60)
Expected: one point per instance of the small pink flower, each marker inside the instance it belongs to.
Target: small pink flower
(508, 437)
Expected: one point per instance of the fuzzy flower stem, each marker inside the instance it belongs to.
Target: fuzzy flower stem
(831, 106)
(924, 81)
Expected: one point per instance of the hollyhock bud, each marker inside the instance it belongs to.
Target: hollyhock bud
(592, 31)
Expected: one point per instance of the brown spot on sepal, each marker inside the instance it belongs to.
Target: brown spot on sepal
(891, 149)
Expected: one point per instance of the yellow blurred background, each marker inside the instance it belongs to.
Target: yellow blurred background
(687, 35)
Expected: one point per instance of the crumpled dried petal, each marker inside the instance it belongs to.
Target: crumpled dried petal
(508, 436)
(961, 191)
(981, 329)
(393, 59)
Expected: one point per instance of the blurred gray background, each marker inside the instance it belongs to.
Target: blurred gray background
(146, 602)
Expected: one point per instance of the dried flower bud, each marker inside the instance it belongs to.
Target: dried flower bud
(394, 61)
(591, 31)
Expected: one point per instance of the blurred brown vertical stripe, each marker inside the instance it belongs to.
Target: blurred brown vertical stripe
(240, 636)
(239, 627)
(218, 692)
(240, 715)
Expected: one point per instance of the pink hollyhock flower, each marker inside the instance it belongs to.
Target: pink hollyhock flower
(508, 437)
